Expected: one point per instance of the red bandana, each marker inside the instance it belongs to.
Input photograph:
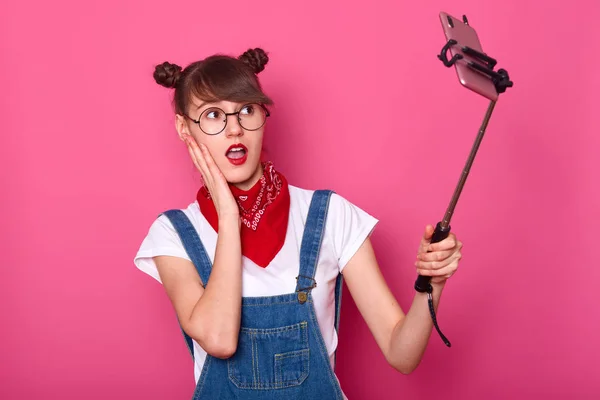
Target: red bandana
(264, 211)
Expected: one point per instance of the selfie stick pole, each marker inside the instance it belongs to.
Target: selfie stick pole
(442, 229)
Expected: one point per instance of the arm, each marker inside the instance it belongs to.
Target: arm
(401, 337)
(210, 315)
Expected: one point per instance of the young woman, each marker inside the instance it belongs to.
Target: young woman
(253, 267)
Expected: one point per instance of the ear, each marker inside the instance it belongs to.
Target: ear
(181, 126)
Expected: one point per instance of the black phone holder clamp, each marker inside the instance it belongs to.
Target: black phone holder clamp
(485, 64)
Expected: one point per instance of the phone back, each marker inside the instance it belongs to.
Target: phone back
(465, 35)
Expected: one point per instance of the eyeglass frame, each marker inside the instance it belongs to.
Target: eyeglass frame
(237, 113)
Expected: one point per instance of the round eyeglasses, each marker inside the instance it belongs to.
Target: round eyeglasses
(213, 120)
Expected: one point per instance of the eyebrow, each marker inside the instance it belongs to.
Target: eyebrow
(214, 103)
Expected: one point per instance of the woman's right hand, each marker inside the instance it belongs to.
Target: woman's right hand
(214, 179)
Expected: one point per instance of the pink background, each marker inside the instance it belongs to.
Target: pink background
(89, 157)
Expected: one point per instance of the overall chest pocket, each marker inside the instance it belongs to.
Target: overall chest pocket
(273, 358)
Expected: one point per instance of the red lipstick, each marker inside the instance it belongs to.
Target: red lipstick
(237, 154)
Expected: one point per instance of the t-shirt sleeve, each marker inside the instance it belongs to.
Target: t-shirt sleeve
(162, 240)
(351, 227)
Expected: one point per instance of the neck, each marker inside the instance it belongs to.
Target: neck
(246, 185)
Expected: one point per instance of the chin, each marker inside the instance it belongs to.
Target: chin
(239, 175)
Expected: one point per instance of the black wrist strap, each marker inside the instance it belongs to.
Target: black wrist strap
(433, 318)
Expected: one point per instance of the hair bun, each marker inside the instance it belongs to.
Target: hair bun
(256, 59)
(167, 74)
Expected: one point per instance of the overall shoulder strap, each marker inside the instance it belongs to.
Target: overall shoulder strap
(311, 245)
(195, 250)
(312, 239)
(191, 242)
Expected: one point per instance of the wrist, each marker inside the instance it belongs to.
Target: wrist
(230, 220)
(438, 286)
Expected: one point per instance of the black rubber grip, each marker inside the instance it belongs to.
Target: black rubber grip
(422, 283)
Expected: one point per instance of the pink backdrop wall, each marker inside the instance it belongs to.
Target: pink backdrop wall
(89, 157)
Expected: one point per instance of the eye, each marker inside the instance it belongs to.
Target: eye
(247, 109)
(213, 114)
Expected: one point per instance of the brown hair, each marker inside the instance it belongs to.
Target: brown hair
(216, 78)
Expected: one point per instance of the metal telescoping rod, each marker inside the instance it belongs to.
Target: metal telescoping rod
(461, 183)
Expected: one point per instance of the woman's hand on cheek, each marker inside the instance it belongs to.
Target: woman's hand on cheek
(214, 180)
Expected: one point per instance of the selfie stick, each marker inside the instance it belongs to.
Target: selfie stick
(442, 229)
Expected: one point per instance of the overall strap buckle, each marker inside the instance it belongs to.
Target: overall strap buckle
(303, 292)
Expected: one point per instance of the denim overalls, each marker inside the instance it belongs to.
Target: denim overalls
(281, 353)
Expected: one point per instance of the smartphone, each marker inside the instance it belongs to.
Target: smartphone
(469, 77)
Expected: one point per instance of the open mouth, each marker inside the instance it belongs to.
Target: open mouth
(237, 154)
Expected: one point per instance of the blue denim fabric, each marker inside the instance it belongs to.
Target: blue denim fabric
(281, 353)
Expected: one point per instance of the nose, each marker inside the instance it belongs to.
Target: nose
(233, 127)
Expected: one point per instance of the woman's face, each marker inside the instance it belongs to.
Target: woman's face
(236, 147)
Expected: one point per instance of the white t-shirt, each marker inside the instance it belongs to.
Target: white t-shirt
(346, 228)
